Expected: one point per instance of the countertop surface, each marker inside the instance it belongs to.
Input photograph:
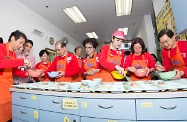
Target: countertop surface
(129, 95)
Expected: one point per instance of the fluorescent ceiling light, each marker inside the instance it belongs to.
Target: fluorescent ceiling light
(92, 35)
(75, 14)
(125, 30)
(123, 7)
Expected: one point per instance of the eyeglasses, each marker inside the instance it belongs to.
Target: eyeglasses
(88, 47)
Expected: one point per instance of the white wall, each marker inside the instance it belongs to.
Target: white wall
(158, 5)
(17, 16)
(146, 32)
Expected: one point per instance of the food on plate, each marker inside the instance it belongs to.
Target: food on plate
(161, 83)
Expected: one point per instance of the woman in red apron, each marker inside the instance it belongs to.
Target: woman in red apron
(174, 54)
(43, 65)
(139, 59)
(90, 67)
(112, 57)
(7, 62)
(65, 63)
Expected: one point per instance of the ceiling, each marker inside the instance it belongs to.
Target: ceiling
(100, 15)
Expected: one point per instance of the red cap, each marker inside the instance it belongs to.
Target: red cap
(118, 34)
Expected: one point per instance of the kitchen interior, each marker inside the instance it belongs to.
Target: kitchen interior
(46, 22)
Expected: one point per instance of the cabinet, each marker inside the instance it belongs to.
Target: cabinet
(46, 106)
(108, 108)
(162, 109)
(87, 119)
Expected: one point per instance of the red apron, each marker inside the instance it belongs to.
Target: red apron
(78, 77)
(61, 66)
(89, 64)
(139, 64)
(105, 73)
(6, 82)
(177, 61)
(43, 67)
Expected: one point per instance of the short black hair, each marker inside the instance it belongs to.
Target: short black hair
(29, 41)
(76, 49)
(168, 32)
(1, 40)
(42, 52)
(17, 34)
(91, 41)
(154, 57)
(135, 41)
(62, 44)
(127, 52)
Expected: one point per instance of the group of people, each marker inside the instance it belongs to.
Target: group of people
(71, 67)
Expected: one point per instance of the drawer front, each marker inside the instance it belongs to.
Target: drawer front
(17, 120)
(23, 99)
(162, 121)
(108, 108)
(26, 114)
(51, 103)
(46, 116)
(162, 109)
(86, 119)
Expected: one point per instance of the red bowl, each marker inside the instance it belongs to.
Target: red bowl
(140, 72)
(34, 73)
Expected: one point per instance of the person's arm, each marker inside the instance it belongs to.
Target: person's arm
(9, 63)
(165, 60)
(151, 63)
(19, 73)
(103, 59)
(122, 58)
(33, 61)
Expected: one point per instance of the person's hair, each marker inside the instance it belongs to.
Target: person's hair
(61, 43)
(29, 41)
(127, 52)
(76, 49)
(42, 52)
(91, 41)
(17, 34)
(135, 41)
(154, 57)
(168, 32)
(1, 40)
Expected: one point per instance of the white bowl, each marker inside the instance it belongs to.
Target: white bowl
(74, 85)
(85, 82)
(97, 79)
(53, 74)
(93, 84)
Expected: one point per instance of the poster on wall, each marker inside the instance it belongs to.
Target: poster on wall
(165, 20)
(52, 54)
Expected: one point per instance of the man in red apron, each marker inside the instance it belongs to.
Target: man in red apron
(112, 57)
(8, 61)
(174, 53)
(65, 63)
(78, 53)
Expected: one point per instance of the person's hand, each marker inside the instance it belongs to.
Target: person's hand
(131, 69)
(179, 74)
(27, 63)
(60, 74)
(148, 71)
(160, 67)
(90, 72)
(120, 69)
